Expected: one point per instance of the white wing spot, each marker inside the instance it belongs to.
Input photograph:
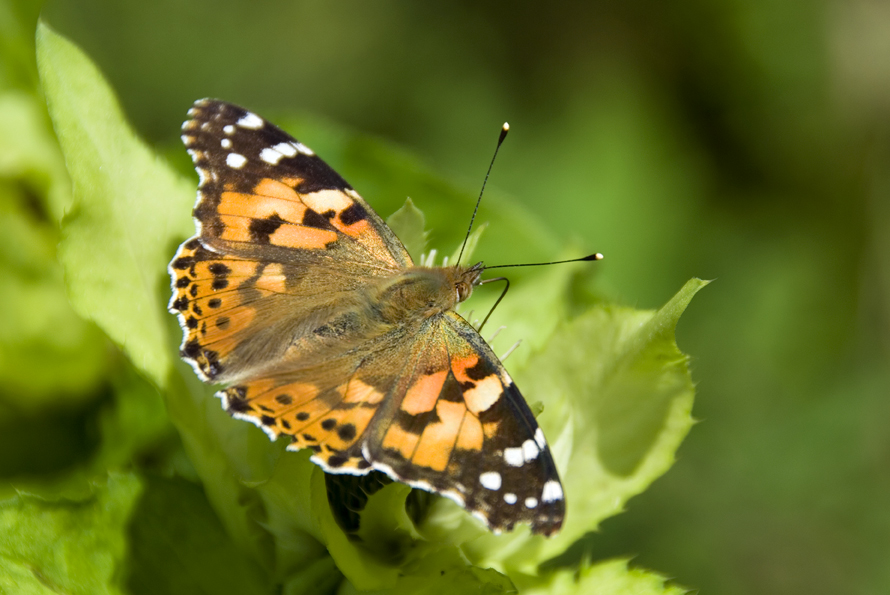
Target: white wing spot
(250, 120)
(271, 156)
(235, 160)
(539, 438)
(303, 149)
(552, 491)
(510, 498)
(530, 450)
(531, 502)
(229, 129)
(490, 480)
(205, 126)
(286, 149)
(514, 457)
(226, 143)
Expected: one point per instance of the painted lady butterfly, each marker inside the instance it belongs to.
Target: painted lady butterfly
(296, 295)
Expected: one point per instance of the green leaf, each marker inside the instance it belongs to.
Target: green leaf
(230, 458)
(624, 400)
(606, 578)
(37, 324)
(408, 225)
(63, 546)
(124, 534)
(617, 399)
(127, 211)
(444, 571)
(177, 546)
(625, 388)
(134, 424)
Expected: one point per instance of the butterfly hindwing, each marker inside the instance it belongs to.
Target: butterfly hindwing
(463, 429)
(325, 403)
(438, 412)
(329, 420)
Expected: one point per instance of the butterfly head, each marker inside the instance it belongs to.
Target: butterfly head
(465, 279)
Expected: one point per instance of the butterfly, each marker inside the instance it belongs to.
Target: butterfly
(296, 296)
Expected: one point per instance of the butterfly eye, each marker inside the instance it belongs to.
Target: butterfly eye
(463, 291)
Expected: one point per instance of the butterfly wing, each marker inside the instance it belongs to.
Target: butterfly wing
(429, 404)
(327, 403)
(283, 244)
(460, 427)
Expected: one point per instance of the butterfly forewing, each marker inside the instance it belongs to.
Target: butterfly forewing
(272, 219)
(261, 189)
(277, 295)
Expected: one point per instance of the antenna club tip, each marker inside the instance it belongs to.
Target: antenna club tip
(504, 129)
(598, 256)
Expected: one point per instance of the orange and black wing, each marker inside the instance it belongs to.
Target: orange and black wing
(430, 406)
(327, 404)
(458, 426)
(283, 242)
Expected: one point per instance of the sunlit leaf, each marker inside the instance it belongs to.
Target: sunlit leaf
(125, 216)
(617, 398)
(606, 578)
(76, 547)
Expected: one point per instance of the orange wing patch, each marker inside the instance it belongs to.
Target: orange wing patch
(423, 394)
(209, 308)
(329, 422)
(274, 212)
(440, 437)
(435, 416)
(237, 203)
(213, 309)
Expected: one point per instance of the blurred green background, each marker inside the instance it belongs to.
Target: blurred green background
(742, 141)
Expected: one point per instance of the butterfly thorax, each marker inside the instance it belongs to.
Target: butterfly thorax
(424, 291)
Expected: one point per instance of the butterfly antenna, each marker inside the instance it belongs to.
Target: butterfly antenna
(596, 256)
(590, 257)
(504, 130)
